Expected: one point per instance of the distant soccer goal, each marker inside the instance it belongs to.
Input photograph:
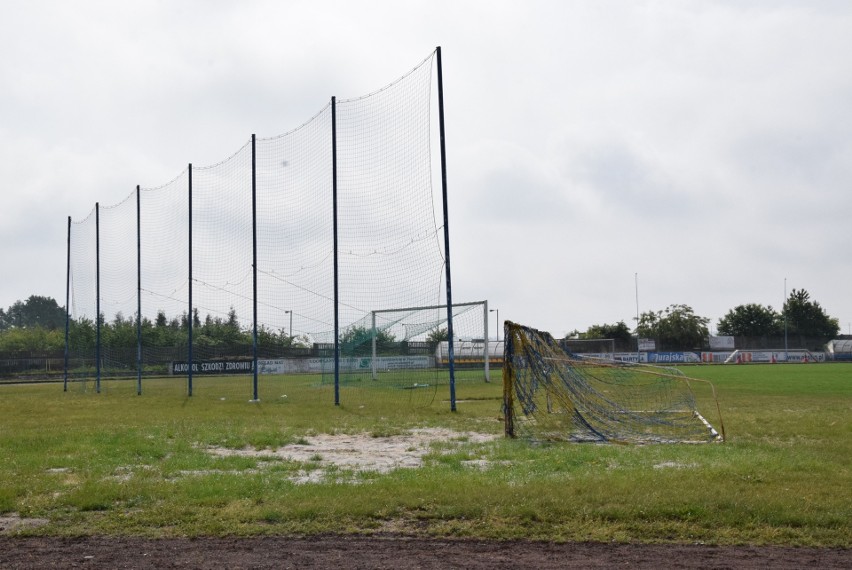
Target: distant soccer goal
(592, 347)
(401, 353)
(549, 394)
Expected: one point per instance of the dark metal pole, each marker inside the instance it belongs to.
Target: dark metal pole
(189, 316)
(67, 305)
(334, 216)
(138, 293)
(254, 262)
(508, 386)
(98, 298)
(450, 352)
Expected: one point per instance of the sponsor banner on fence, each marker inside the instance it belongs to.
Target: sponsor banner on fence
(290, 366)
(739, 356)
(241, 366)
(647, 344)
(626, 357)
(673, 357)
(347, 364)
(767, 356)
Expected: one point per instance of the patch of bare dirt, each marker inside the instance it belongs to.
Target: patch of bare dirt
(361, 452)
(13, 522)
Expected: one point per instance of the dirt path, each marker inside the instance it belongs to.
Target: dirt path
(393, 552)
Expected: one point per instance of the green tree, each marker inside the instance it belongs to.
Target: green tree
(231, 332)
(37, 311)
(807, 318)
(32, 340)
(82, 334)
(216, 332)
(618, 331)
(751, 319)
(437, 336)
(358, 340)
(120, 333)
(267, 337)
(676, 327)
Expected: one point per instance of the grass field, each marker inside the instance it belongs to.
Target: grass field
(120, 464)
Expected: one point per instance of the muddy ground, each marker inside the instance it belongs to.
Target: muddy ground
(394, 552)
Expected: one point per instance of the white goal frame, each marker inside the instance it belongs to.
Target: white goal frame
(373, 313)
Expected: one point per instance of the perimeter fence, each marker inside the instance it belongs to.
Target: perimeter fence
(276, 253)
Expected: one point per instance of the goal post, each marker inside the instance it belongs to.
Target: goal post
(401, 355)
(417, 321)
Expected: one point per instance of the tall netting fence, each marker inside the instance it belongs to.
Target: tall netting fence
(82, 353)
(242, 275)
(118, 294)
(388, 238)
(295, 253)
(549, 394)
(222, 262)
(164, 277)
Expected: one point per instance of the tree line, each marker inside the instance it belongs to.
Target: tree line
(677, 326)
(38, 325)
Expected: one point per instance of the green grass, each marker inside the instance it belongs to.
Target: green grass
(120, 464)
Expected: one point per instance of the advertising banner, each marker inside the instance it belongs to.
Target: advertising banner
(218, 367)
(766, 356)
(673, 357)
(349, 364)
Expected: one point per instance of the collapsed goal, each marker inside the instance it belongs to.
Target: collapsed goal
(550, 394)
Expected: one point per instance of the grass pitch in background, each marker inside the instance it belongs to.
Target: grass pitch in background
(117, 463)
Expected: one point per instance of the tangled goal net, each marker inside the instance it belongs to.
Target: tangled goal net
(549, 394)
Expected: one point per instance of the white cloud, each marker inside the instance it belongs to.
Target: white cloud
(703, 145)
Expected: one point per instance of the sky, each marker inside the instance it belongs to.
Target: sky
(603, 157)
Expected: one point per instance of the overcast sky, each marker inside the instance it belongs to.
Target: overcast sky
(704, 146)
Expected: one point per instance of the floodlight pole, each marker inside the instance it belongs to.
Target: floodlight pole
(497, 323)
(636, 283)
(374, 359)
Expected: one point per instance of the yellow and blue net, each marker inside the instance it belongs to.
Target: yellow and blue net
(550, 394)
